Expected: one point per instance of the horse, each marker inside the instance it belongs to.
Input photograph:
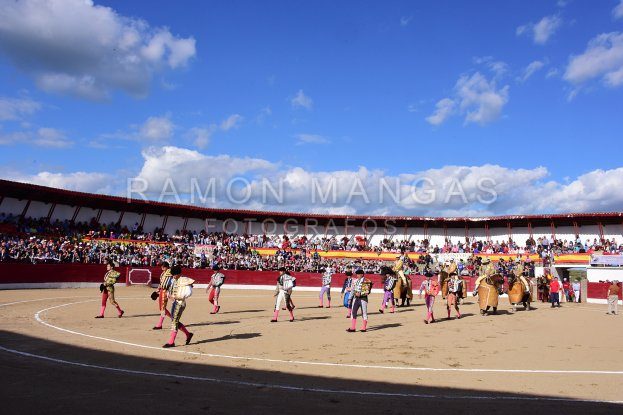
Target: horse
(488, 293)
(403, 289)
(443, 282)
(517, 294)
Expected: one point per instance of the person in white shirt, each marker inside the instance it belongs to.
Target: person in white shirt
(576, 291)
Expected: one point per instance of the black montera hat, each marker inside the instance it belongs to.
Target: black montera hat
(176, 270)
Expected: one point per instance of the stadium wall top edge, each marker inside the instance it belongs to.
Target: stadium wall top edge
(45, 194)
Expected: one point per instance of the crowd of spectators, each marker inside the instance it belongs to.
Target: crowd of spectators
(37, 240)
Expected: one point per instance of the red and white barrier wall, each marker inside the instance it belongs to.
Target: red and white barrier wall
(19, 275)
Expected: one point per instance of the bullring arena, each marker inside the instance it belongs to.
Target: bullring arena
(564, 360)
(55, 355)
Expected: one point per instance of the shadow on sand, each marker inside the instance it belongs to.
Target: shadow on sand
(44, 376)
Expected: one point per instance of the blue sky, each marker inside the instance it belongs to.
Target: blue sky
(308, 89)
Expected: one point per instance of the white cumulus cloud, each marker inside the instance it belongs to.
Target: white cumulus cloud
(201, 136)
(51, 137)
(617, 12)
(12, 109)
(443, 110)
(157, 129)
(233, 121)
(603, 59)
(311, 139)
(405, 20)
(452, 190)
(301, 100)
(78, 181)
(41, 137)
(78, 48)
(531, 69)
(542, 30)
(480, 99)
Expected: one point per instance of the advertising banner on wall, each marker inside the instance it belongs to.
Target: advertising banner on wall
(205, 249)
(446, 257)
(610, 260)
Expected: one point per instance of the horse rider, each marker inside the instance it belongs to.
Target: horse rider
(486, 271)
(518, 272)
(402, 283)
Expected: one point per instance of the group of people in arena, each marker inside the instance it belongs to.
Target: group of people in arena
(174, 289)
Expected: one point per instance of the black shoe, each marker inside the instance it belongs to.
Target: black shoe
(291, 320)
(381, 310)
(168, 345)
(351, 330)
(156, 328)
(189, 338)
(273, 321)
(99, 316)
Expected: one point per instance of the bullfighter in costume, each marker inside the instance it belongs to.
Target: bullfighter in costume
(285, 284)
(455, 288)
(161, 295)
(108, 290)
(214, 288)
(326, 287)
(430, 287)
(179, 291)
(389, 282)
(360, 290)
(346, 291)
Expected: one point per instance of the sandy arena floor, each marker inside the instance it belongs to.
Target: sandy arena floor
(55, 357)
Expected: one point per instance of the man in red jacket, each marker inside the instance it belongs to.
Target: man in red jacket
(554, 289)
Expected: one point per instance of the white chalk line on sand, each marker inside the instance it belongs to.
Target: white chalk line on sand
(38, 318)
(302, 388)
